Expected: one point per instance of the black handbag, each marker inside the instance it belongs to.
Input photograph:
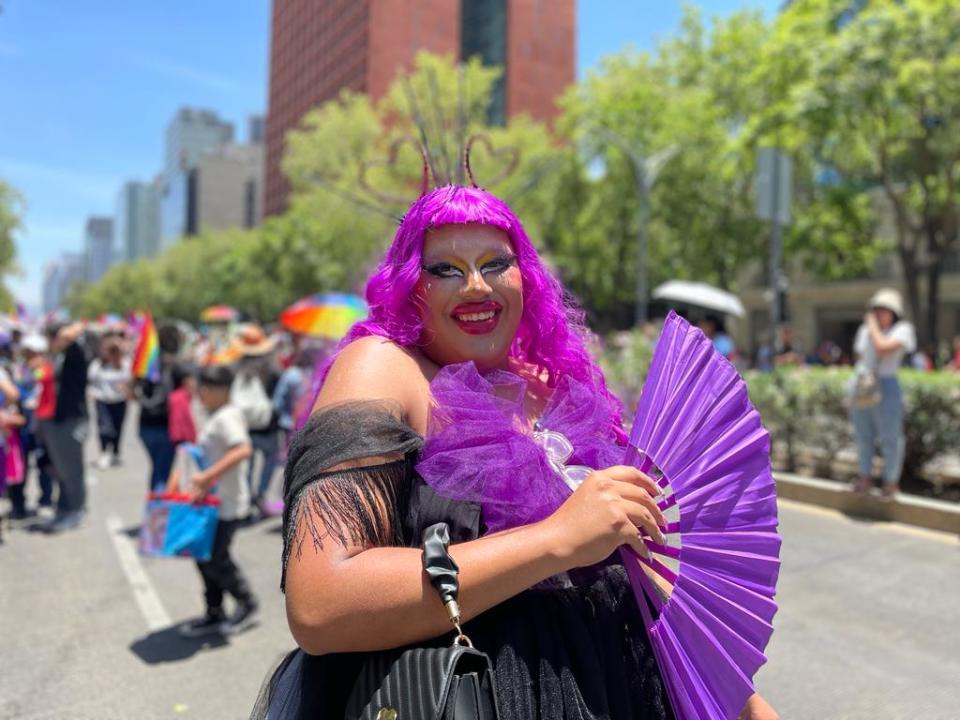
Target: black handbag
(443, 683)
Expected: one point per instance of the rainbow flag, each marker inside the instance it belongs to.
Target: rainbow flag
(146, 359)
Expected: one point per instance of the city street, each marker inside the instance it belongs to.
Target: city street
(867, 627)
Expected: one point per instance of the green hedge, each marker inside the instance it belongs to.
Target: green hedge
(804, 409)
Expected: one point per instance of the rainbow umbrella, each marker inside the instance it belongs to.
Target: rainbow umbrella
(219, 313)
(324, 315)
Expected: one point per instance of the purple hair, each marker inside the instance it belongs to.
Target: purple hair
(551, 335)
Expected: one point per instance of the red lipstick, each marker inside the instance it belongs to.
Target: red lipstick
(477, 318)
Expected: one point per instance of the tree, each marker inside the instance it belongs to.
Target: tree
(875, 98)
(694, 94)
(9, 225)
(322, 242)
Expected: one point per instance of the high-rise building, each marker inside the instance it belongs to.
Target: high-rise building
(59, 279)
(227, 185)
(51, 286)
(320, 47)
(137, 220)
(256, 129)
(190, 133)
(98, 247)
(178, 206)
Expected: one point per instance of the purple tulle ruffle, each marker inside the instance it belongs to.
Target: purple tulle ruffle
(480, 448)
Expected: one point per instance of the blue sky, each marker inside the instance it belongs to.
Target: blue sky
(87, 88)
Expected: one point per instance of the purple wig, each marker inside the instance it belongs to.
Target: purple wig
(551, 335)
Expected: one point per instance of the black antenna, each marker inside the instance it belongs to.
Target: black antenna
(441, 124)
(511, 152)
(354, 198)
(390, 165)
(461, 124)
(421, 127)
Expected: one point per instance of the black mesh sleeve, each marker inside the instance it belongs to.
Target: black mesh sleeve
(359, 505)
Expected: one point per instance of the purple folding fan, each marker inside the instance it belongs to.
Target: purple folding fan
(699, 436)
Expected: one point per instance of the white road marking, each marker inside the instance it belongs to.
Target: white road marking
(143, 591)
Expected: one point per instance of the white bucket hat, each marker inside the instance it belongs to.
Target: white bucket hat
(889, 299)
(35, 343)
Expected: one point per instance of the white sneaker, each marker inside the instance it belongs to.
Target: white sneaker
(103, 462)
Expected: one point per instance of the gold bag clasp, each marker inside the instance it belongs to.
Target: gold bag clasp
(387, 714)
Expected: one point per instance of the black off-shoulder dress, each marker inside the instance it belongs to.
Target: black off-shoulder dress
(571, 648)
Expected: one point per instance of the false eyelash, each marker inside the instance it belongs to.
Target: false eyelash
(508, 261)
(437, 270)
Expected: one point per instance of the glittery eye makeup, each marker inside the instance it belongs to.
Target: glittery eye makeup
(443, 270)
(498, 265)
(494, 266)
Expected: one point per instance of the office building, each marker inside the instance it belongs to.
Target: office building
(98, 248)
(59, 279)
(190, 133)
(137, 221)
(227, 185)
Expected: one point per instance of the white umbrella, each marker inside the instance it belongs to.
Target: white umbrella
(701, 295)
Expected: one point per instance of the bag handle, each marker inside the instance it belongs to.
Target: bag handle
(444, 574)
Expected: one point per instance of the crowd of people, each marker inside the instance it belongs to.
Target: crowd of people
(363, 483)
(61, 382)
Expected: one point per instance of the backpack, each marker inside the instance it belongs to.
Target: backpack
(249, 395)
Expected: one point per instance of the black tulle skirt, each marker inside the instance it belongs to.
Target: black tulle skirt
(560, 652)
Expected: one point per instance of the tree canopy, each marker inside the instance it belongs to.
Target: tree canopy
(9, 225)
(864, 98)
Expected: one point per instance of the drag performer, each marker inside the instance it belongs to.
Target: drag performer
(468, 396)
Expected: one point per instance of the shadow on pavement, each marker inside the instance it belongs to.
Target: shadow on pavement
(168, 645)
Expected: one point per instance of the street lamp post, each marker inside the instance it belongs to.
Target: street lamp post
(645, 172)
(773, 196)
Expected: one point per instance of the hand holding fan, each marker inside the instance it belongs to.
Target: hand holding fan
(696, 432)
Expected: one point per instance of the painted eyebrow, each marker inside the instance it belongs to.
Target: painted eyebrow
(505, 254)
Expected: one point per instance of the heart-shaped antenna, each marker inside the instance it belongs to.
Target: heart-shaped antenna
(512, 155)
(390, 164)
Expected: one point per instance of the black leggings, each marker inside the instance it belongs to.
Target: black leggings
(110, 424)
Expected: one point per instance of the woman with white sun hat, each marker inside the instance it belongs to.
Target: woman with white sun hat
(881, 343)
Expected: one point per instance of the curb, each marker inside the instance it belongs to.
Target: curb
(908, 509)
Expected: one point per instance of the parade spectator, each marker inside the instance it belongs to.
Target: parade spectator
(226, 449)
(38, 402)
(291, 389)
(12, 469)
(182, 428)
(714, 328)
(880, 345)
(65, 433)
(955, 359)
(153, 397)
(256, 380)
(787, 353)
(11, 474)
(109, 379)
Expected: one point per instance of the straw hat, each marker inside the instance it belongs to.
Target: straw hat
(888, 299)
(252, 341)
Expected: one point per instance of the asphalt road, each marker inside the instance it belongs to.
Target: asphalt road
(868, 626)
